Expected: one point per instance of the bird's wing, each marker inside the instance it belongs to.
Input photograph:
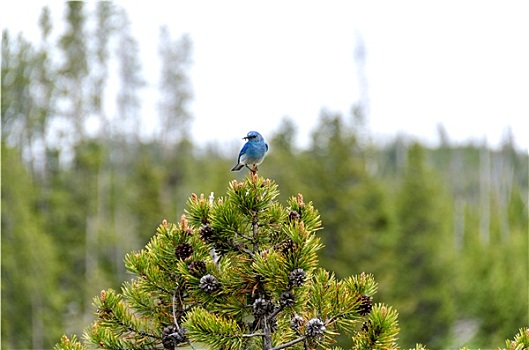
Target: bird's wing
(243, 151)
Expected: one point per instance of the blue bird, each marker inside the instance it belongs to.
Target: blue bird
(252, 153)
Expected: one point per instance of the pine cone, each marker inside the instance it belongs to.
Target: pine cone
(183, 251)
(197, 268)
(207, 233)
(287, 299)
(262, 307)
(171, 337)
(293, 215)
(314, 328)
(287, 247)
(297, 277)
(366, 325)
(296, 322)
(209, 284)
(366, 304)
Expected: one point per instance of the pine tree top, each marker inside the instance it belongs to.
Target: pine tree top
(239, 272)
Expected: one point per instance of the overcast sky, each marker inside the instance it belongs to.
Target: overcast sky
(462, 64)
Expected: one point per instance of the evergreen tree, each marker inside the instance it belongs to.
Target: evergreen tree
(145, 200)
(39, 102)
(285, 165)
(493, 283)
(174, 116)
(19, 117)
(422, 267)
(74, 69)
(175, 90)
(105, 28)
(238, 272)
(127, 122)
(334, 174)
(30, 267)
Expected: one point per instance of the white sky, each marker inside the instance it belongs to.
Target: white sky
(463, 64)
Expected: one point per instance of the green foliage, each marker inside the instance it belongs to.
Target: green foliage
(379, 331)
(240, 273)
(69, 344)
(119, 327)
(497, 270)
(217, 331)
(520, 341)
(146, 204)
(333, 171)
(424, 271)
(30, 267)
(420, 347)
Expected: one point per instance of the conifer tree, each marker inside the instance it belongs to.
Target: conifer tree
(238, 272)
(75, 68)
(423, 270)
(31, 312)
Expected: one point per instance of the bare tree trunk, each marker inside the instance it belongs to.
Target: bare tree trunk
(484, 194)
(37, 328)
(459, 222)
(456, 168)
(505, 180)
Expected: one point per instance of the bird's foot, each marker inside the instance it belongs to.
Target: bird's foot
(252, 169)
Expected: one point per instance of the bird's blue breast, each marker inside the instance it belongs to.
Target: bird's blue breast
(253, 152)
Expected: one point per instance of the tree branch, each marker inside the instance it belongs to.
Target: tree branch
(174, 309)
(276, 311)
(253, 335)
(255, 230)
(290, 343)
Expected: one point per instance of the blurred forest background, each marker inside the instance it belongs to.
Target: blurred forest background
(443, 229)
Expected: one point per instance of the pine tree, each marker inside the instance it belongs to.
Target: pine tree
(238, 272)
(353, 203)
(31, 312)
(175, 89)
(128, 117)
(75, 68)
(18, 107)
(422, 259)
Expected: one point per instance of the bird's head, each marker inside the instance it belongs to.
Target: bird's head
(253, 136)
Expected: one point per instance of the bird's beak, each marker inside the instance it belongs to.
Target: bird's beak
(245, 138)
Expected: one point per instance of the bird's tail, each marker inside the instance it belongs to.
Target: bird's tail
(237, 167)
